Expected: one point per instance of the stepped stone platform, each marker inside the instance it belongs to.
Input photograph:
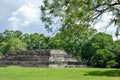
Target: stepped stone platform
(39, 58)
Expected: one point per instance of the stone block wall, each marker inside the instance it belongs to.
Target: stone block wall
(59, 58)
(39, 58)
(30, 58)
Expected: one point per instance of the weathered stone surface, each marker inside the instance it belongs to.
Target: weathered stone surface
(59, 58)
(39, 58)
(30, 58)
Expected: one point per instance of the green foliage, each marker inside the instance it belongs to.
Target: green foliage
(101, 41)
(103, 58)
(1, 37)
(115, 48)
(11, 45)
(72, 39)
(111, 63)
(16, 40)
(74, 17)
(68, 13)
(15, 44)
(8, 34)
(98, 41)
(36, 41)
(96, 49)
(11, 40)
(3, 46)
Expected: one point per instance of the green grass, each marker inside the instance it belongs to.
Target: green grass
(22, 73)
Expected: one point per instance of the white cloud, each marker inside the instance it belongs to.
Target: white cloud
(103, 23)
(24, 16)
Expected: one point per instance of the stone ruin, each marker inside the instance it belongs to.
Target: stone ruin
(30, 58)
(39, 58)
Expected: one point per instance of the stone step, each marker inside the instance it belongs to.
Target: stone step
(24, 63)
(30, 52)
(25, 58)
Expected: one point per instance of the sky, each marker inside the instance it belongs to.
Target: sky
(102, 25)
(24, 15)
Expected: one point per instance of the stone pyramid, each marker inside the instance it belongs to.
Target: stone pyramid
(39, 58)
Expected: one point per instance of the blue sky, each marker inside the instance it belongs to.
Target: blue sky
(24, 15)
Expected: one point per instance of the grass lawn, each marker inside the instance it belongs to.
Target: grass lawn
(22, 73)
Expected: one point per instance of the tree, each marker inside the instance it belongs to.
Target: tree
(18, 34)
(103, 58)
(11, 40)
(26, 38)
(116, 50)
(98, 41)
(15, 44)
(72, 39)
(75, 12)
(2, 37)
(16, 40)
(76, 37)
(57, 42)
(3, 46)
(36, 41)
(8, 34)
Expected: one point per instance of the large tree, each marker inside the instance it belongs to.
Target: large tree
(103, 58)
(98, 41)
(116, 50)
(72, 39)
(70, 12)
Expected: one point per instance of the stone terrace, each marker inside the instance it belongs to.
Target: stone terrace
(39, 58)
(30, 58)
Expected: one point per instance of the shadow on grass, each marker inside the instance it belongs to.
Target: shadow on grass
(109, 73)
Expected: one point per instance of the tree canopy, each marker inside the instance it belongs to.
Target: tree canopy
(103, 58)
(88, 46)
(67, 13)
(98, 41)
